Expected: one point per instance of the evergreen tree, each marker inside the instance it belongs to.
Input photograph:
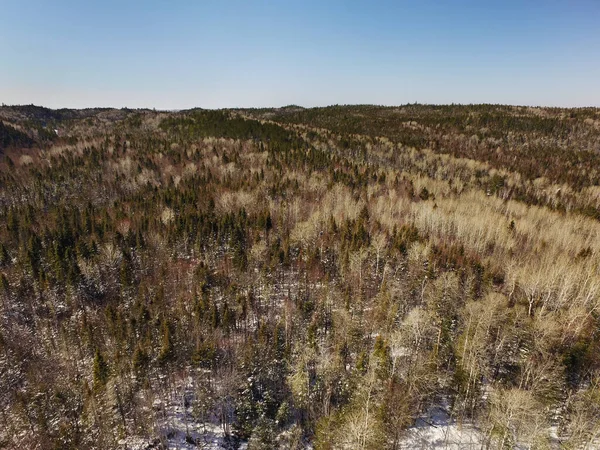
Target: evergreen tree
(101, 370)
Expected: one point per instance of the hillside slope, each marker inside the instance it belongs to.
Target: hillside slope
(342, 277)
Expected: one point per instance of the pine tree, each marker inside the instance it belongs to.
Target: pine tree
(101, 371)
(141, 361)
(4, 256)
(166, 349)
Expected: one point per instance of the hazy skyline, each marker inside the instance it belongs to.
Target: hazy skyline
(175, 55)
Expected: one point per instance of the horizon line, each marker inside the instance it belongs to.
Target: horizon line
(293, 105)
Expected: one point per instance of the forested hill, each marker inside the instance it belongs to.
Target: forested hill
(11, 137)
(342, 277)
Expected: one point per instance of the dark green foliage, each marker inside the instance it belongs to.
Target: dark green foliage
(101, 370)
(11, 137)
(198, 124)
(141, 361)
(166, 348)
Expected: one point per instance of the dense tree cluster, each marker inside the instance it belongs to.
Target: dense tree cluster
(513, 138)
(11, 137)
(297, 277)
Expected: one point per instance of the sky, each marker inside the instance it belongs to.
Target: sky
(243, 53)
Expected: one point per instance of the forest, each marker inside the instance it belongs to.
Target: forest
(348, 277)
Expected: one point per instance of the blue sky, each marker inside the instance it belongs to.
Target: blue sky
(176, 54)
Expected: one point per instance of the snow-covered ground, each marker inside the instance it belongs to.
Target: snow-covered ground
(437, 430)
(174, 436)
(178, 430)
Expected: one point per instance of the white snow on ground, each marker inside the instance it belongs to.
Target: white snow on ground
(450, 436)
(198, 436)
(178, 430)
(437, 430)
